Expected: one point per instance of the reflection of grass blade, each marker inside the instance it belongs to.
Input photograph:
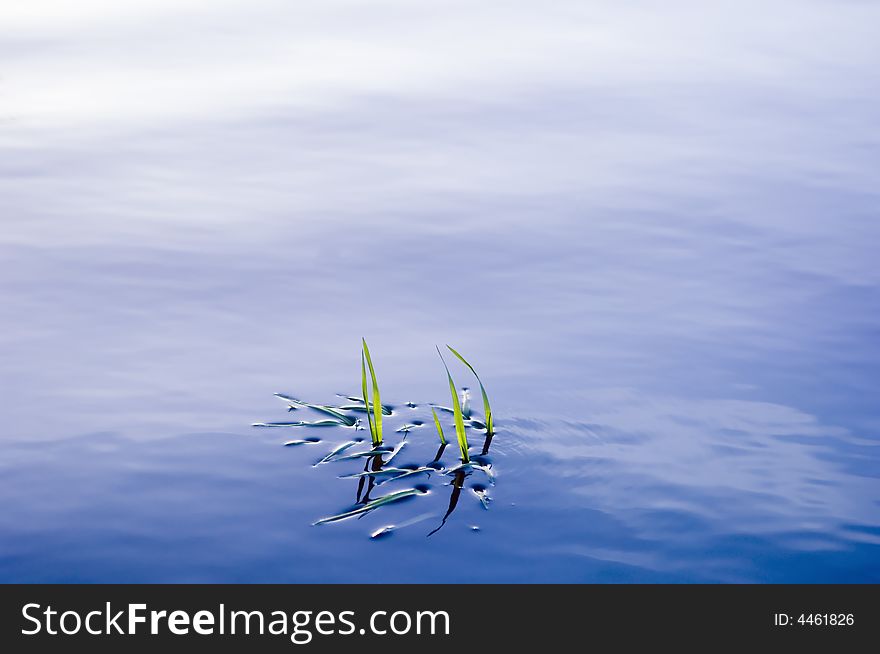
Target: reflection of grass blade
(439, 427)
(376, 401)
(456, 409)
(292, 401)
(372, 505)
(486, 408)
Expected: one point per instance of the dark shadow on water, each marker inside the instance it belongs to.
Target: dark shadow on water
(457, 484)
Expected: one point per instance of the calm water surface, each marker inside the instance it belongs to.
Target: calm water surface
(653, 232)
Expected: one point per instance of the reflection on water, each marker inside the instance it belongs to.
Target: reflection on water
(654, 227)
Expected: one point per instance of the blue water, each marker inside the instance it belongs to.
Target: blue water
(654, 232)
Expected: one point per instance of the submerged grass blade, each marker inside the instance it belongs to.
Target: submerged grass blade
(384, 472)
(372, 505)
(456, 409)
(299, 423)
(439, 427)
(389, 474)
(376, 401)
(348, 421)
(414, 471)
(336, 452)
(292, 401)
(487, 409)
(387, 530)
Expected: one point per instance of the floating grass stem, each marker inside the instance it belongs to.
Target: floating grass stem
(294, 403)
(486, 408)
(456, 410)
(300, 423)
(336, 452)
(372, 505)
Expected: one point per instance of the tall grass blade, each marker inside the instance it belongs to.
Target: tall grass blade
(486, 408)
(373, 436)
(456, 409)
(439, 427)
(376, 401)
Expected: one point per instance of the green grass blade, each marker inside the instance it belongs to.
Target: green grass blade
(439, 427)
(373, 505)
(361, 408)
(300, 423)
(376, 402)
(486, 408)
(364, 386)
(456, 409)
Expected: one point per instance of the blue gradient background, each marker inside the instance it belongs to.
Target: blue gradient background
(653, 227)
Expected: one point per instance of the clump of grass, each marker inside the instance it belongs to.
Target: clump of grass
(487, 410)
(439, 427)
(374, 416)
(456, 410)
